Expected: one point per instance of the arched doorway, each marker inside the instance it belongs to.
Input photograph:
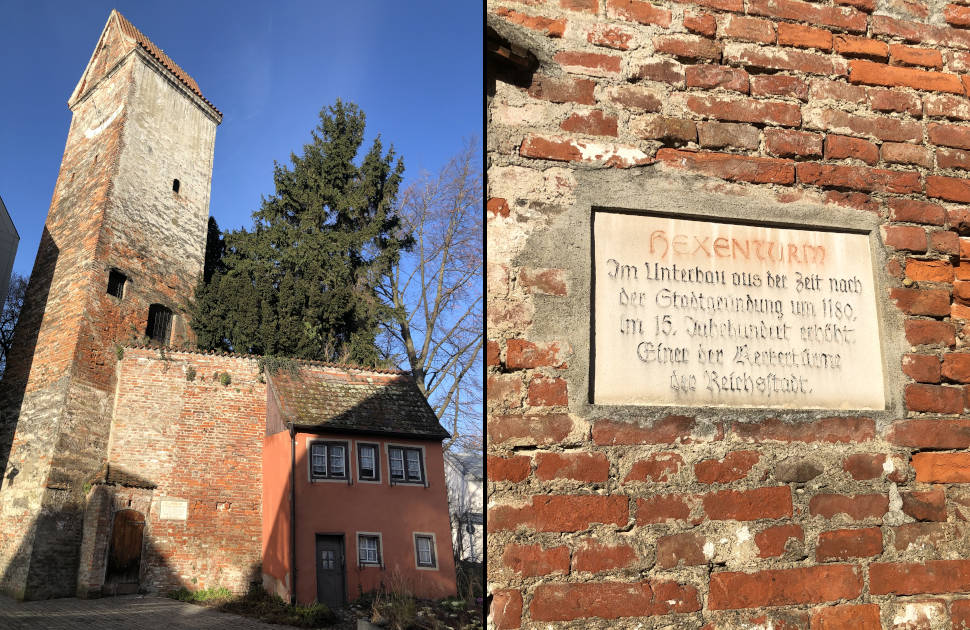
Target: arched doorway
(124, 554)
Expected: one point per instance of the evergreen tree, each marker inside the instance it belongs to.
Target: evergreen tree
(302, 281)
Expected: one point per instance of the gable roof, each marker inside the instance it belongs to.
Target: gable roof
(331, 399)
(136, 38)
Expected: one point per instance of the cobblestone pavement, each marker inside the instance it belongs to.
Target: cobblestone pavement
(127, 612)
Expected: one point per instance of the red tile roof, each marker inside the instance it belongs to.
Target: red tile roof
(130, 31)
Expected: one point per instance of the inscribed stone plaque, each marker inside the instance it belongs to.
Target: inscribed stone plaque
(173, 510)
(709, 313)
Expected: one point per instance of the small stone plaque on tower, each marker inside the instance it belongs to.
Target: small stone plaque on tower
(710, 313)
(173, 510)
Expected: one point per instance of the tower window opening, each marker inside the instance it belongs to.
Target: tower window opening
(116, 283)
(159, 323)
(175, 186)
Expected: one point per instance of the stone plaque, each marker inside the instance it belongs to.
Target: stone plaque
(711, 313)
(173, 510)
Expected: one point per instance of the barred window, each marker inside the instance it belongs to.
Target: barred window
(159, 323)
(116, 283)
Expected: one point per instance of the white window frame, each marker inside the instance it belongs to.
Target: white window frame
(380, 549)
(377, 464)
(346, 479)
(423, 463)
(434, 550)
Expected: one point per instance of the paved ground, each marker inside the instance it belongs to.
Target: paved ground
(127, 612)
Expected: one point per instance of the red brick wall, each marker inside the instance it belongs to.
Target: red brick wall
(199, 441)
(700, 519)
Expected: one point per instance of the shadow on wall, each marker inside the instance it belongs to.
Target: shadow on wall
(108, 534)
(21, 357)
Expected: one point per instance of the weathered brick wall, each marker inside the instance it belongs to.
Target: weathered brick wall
(43, 365)
(699, 518)
(200, 441)
(134, 129)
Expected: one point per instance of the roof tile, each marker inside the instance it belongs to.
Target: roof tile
(336, 399)
(129, 30)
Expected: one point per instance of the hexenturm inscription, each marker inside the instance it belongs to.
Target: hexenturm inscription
(708, 313)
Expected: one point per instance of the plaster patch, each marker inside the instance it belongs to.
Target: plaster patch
(90, 133)
(708, 550)
(744, 534)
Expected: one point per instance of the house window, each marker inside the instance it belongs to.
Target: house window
(175, 186)
(424, 551)
(328, 460)
(159, 323)
(368, 462)
(369, 549)
(406, 464)
(116, 283)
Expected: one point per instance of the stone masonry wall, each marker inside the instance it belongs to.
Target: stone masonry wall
(134, 129)
(37, 384)
(699, 518)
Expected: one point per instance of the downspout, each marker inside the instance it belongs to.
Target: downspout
(292, 512)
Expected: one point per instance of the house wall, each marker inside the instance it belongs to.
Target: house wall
(277, 561)
(201, 442)
(691, 517)
(338, 507)
(465, 497)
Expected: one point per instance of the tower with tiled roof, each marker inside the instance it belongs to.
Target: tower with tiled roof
(121, 252)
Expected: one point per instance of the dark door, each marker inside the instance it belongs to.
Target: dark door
(124, 555)
(330, 570)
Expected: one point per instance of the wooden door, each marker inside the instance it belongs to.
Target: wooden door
(331, 570)
(124, 555)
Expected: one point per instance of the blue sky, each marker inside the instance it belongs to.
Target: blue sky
(415, 68)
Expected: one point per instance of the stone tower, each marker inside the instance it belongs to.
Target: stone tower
(121, 252)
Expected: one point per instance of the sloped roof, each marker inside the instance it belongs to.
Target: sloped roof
(468, 463)
(137, 38)
(355, 400)
(112, 475)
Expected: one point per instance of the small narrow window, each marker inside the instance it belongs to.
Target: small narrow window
(369, 549)
(367, 462)
(397, 463)
(116, 283)
(414, 465)
(424, 548)
(175, 186)
(337, 461)
(406, 464)
(328, 460)
(318, 459)
(159, 323)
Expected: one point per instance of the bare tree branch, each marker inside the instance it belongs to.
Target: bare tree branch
(9, 314)
(435, 293)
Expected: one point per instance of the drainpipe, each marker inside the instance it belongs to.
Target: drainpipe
(292, 512)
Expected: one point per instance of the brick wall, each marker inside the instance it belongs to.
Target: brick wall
(134, 129)
(697, 518)
(199, 441)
